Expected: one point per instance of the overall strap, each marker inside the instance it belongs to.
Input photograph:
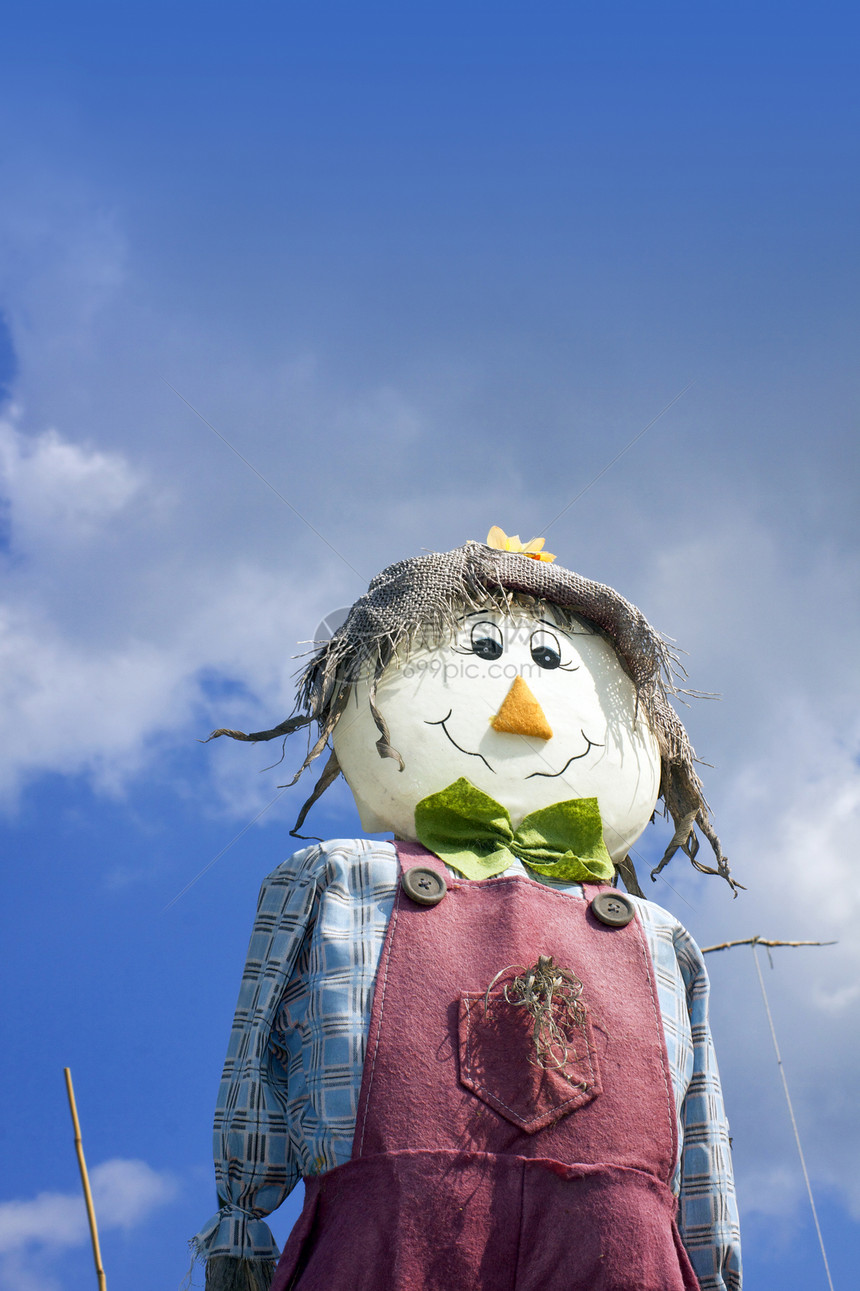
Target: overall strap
(409, 854)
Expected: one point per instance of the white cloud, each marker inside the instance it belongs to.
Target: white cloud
(51, 1218)
(67, 709)
(74, 706)
(57, 491)
(35, 1232)
(125, 1193)
(112, 624)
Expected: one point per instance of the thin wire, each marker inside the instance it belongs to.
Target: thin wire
(242, 832)
(625, 449)
(793, 1121)
(678, 894)
(262, 477)
(245, 829)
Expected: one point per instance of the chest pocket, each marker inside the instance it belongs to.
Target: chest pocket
(499, 1062)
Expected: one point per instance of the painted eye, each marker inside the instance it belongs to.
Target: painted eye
(486, 639)
(546, 649)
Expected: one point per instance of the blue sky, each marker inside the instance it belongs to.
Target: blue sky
(429, 268)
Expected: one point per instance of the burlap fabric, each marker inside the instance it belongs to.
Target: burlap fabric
(420, 600)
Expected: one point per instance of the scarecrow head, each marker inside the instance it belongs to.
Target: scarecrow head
(493, 672)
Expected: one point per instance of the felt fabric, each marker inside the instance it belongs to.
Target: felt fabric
(443, 1192)
(525, 1093)
(473, 1221)
(473, 834)
(521, 714)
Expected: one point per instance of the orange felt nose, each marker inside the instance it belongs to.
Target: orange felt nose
(521, 714)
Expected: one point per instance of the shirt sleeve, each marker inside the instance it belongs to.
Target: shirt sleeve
(707, 1209)
(255, 1167)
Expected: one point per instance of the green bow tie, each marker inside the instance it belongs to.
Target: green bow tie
(472, 833)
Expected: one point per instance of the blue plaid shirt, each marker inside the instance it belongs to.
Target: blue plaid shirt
(289, 1091)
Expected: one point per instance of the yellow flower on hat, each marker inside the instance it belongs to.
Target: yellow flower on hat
(499, 541)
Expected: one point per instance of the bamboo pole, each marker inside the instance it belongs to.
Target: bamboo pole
(85, 1181)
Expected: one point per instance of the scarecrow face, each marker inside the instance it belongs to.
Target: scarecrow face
(529, 712)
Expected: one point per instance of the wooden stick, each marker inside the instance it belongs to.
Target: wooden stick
(85, 1180)
(761, 941)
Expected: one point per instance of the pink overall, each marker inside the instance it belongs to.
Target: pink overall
(473, 1169)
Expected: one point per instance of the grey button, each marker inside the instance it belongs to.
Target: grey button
(613, 909)
(424, 885)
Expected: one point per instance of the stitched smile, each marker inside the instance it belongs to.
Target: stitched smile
(456, 745)
(551, 775)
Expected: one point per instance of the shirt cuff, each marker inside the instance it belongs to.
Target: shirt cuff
(236, 1232)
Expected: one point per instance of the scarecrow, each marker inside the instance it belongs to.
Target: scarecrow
(489, 1064)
